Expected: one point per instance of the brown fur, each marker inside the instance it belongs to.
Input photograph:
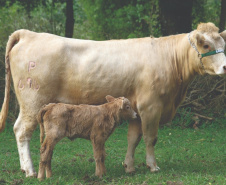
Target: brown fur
(95, 123)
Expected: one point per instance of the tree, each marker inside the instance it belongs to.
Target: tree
(69, 27)
(114, 19)
(27, 4)
(222, 15)
(175, 16)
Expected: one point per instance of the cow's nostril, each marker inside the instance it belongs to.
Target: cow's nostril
(224, 67)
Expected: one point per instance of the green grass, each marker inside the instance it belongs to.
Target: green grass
(185, 156)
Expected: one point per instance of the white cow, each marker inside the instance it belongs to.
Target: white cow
(153, 73)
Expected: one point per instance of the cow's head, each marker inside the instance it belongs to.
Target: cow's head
(209, 45)
(126, 111)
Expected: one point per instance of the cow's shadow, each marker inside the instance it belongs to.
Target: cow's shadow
(186, 167)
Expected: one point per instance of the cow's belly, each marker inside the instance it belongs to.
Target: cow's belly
(92, 92)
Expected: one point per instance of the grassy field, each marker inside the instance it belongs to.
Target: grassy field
(185, 156)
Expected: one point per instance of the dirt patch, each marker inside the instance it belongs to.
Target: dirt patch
(174, 183)
(91, 160)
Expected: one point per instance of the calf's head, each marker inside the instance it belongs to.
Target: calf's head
(210, 45)
(126, 112)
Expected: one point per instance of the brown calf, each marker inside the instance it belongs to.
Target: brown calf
(95, 123)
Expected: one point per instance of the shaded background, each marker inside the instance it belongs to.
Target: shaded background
(118, 19)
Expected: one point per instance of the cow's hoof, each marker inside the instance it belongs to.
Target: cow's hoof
(22, 170)
(128, 169)
(33, 175)
(154, 169)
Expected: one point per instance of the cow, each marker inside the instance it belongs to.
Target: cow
(153, 73)
(95, 123)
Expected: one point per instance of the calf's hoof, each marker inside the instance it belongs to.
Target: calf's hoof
(41, 179)
(99, 175)
(48, 175)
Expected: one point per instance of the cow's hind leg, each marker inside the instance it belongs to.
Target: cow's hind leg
(23, 130)
(134, 136)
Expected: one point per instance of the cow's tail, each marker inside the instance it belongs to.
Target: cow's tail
(13, 39)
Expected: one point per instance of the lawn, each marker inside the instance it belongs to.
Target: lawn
(185, 156)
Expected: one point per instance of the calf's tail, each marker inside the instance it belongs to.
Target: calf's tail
(13, 39)
(40, 121)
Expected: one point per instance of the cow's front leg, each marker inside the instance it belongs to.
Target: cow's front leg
(23, 130)
(150, 123)
(134, 136)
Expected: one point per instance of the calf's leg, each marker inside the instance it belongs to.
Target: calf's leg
(48, 165)
(99, 155)
(46, 153)
(42, 163)
(134, 136)
(44, 158)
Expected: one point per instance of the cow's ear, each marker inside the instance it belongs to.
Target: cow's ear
(223, 35)
(110, 98)
(200, 39)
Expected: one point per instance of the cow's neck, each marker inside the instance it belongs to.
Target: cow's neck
(183, 60)
(186, 59)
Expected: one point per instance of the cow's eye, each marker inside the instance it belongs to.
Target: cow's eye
(206, 46)
(127, 107)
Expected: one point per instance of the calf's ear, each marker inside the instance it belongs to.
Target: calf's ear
(122, 104)
(110, 98)
(223, 35)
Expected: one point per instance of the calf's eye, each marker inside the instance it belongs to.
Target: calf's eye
(127, 107)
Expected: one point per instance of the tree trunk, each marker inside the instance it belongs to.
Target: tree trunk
(223, 15)
(69, 27)
(175, 16)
